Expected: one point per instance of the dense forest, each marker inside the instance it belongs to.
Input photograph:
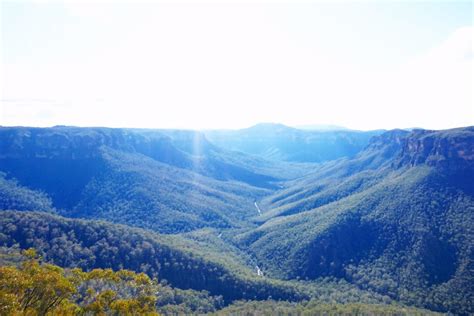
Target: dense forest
(174, 223)
(180, 262)
(32, 287)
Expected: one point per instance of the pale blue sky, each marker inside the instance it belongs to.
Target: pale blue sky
(363, 65)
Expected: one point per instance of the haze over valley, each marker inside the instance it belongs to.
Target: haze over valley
(225, 158)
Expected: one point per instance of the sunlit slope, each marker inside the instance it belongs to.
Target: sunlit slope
(334, 180)
(404, 229)
(169, 181)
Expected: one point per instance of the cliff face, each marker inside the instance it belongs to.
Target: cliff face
(451, 149)
(391, 138)
(388, 144)
(76, 143)
(61, 161)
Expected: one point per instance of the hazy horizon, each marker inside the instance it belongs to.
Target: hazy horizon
(308, 127)
(363, 66)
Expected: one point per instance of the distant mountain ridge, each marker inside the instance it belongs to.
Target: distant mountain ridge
(322, 127)
(283, 143)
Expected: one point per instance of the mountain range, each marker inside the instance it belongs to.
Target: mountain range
(268, 213)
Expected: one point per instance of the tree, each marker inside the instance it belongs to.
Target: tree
(36, 288)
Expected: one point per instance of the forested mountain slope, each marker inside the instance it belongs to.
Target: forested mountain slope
(181, 262)
(412, 216)
(334, 180)
(166, 180)
(66, 291)
(14, 196)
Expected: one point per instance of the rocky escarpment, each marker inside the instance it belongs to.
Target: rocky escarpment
(80, 143)
(63, 160)
(388, 144)
(451, 149)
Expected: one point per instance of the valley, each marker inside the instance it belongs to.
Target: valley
(270, 217)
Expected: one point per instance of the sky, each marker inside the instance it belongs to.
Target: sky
(223, 64)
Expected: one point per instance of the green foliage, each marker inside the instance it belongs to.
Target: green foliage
(36, 288)
(172, 301)
(397, 224)
(13, 196)
(139, 191)
(91, 244)
(315, 307)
